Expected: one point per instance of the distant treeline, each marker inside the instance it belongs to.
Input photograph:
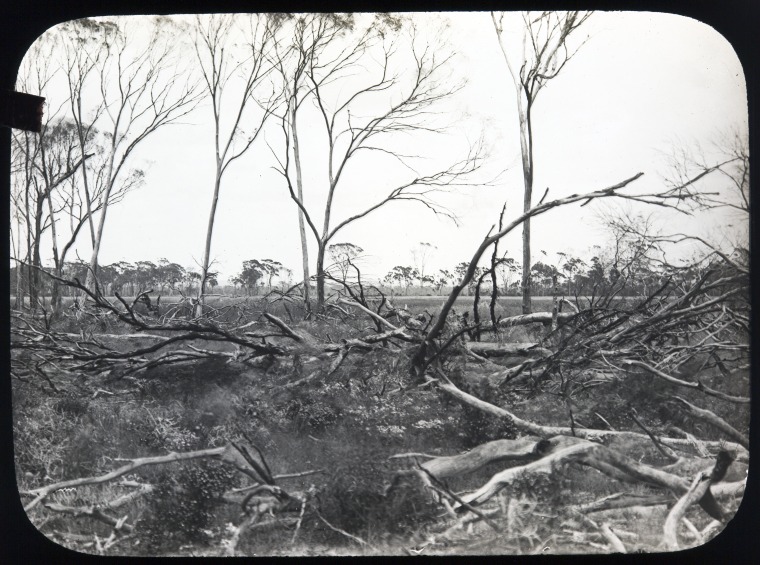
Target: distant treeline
(574, 277)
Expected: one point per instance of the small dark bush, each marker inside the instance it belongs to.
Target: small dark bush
(478, 427)
(184, 505)
(354, 498)
(72, 405)
(81, 456)
(312, 415)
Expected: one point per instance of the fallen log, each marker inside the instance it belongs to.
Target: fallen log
(522, 449)
(518, 372)
(113, 336)
(689, 467)
(42, 492)
(678, 382)
(716, 421)
(565, 449)
(545, 465)
(369, 312)
(536, 317)
(300, 337)
(532, 428)
(492, 349)
(228, 454)
(623, 500)
(696, 492)
(613, 540)
(574, 450)
(91, 512)
(606, 531)
(735, 488)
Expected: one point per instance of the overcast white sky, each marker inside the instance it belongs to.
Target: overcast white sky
(642, 83)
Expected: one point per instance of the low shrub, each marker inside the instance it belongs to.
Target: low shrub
(185, 505)
(354, 498)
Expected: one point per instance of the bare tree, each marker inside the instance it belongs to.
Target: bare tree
(333, 55)
(25, 211)
(421, 255)
(623, 338)
(730, 162)
(545, 52)
(82, 53)
(671, 198)
(221, 66)
(47, 196)
(75, 206)
(344, 257)
(28, 194)
(57, 145)
(45, 163)
(719, 184)
(141, 89)
(291, 61)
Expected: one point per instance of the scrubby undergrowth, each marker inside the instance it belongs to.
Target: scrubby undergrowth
(341, 428)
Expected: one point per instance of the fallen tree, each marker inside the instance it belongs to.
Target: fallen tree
(546, 456)
(690, 331)
(491, 349)
(262, 497)
(589, 434)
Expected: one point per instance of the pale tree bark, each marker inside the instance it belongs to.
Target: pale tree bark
(291, 64)
(83, 55)
(544, 53)
(55, 171)
(79, 62)
(526, 154)
(140, 90)
(83, 52)
(49, 166)
(326, 50)
(301, 220)
(214, 38)
(66, 198)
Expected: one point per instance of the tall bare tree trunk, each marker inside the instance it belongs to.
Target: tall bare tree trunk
(19, 269)
(301, 221)
(321, 274)
(87, 199)
(34, 275)
(55, 298)
(28, 260)
(209, 233)
(93, 270)
(544, 54)
(494, 287)
(55, 294)
(555, 303)
(305, 255)
(212, 38)
(494, 284)
(31, 232)
(526, 149)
